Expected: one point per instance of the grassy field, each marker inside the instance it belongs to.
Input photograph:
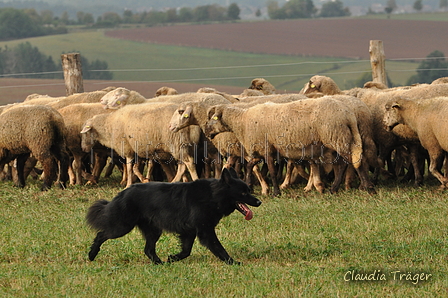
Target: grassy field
(143, 62)
(307, 245)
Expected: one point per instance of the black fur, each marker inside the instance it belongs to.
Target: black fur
(189, 209)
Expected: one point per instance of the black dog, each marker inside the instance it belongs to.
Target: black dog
(189, 209)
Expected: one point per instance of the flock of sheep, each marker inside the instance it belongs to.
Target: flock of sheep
(320, 134)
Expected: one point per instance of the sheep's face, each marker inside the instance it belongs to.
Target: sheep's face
(215, 125)
(88, 135)
(392, 116)
(165, 91)
(263, 86)
(115, 99)
(181, 118)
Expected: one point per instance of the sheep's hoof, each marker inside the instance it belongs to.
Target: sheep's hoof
(44, 187)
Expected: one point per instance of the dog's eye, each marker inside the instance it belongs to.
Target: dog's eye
(244, 194)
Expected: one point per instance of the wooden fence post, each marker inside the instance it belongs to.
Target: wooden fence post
(71, 65)
(378, 61)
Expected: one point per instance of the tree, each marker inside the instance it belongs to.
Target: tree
(418, 5)
(390, 7)
(443, 4)
(233, 12)
(293, 9)
(15, 23)
(334, 9)
(258, 13)
(430, 69)
(26, 59)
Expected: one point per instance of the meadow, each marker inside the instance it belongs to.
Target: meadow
(297, 245)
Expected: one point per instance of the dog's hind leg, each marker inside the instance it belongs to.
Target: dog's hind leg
(151, 234)
(187, 241)
(208, 238)
(95, 248)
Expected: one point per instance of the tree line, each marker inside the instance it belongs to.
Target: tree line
(28, 62)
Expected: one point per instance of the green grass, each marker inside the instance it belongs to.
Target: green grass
(148, 62)
(296, 245)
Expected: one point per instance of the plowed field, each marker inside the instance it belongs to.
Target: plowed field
(328, 37)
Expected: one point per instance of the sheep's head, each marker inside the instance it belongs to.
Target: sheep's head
(87, 136)
(262, 85)
(392, 116)
(165, 91)
(181, 117)
(321, 84)
(215, 125)
(115, 99)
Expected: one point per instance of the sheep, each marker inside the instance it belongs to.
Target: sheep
(39, 131)
(75, 116)
(424, 118)
(375, 99)
(250, 92)
(136, 131)
(262, 85)
(295, 130)
(195, 113)
(165, 91)
(213, 90)
(190, 113)
(120, 97)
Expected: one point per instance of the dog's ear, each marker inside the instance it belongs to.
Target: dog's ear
(233, 173)
(226, 176)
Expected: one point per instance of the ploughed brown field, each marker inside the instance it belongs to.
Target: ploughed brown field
(317, 37)
(320, 37)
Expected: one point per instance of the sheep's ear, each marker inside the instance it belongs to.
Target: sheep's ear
(86, 128)
(187, 112)
(395, 105)
(211, 112)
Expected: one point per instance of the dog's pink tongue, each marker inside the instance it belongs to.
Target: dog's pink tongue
(248, 213)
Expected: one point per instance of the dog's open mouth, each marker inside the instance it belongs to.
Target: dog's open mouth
(241, 207)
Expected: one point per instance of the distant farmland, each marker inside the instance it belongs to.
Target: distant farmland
(318, 37)
(209, 55)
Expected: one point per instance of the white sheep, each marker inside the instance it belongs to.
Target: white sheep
(75, 116)
(165, 91)
(426, 118)
(138, 131)
(262, 85)
(310, 129)
(37, 130)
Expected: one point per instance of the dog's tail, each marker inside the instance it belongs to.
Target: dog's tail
(95, 216)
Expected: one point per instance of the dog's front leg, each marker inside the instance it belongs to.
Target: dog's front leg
(151, 234)
(208, 238)
(186, 240)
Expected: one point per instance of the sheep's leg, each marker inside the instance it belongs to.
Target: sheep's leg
(77, 169)
(314, 171)
(436, 156)
(20, 165)
(150, 168)
(366, 183)
(49, 165)
(181, 169)
(137, 172)
(271, 168)
(189, 162)
(415, 158)
(287, 181)
(129, 171)
(264, 185)
(100, 164)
